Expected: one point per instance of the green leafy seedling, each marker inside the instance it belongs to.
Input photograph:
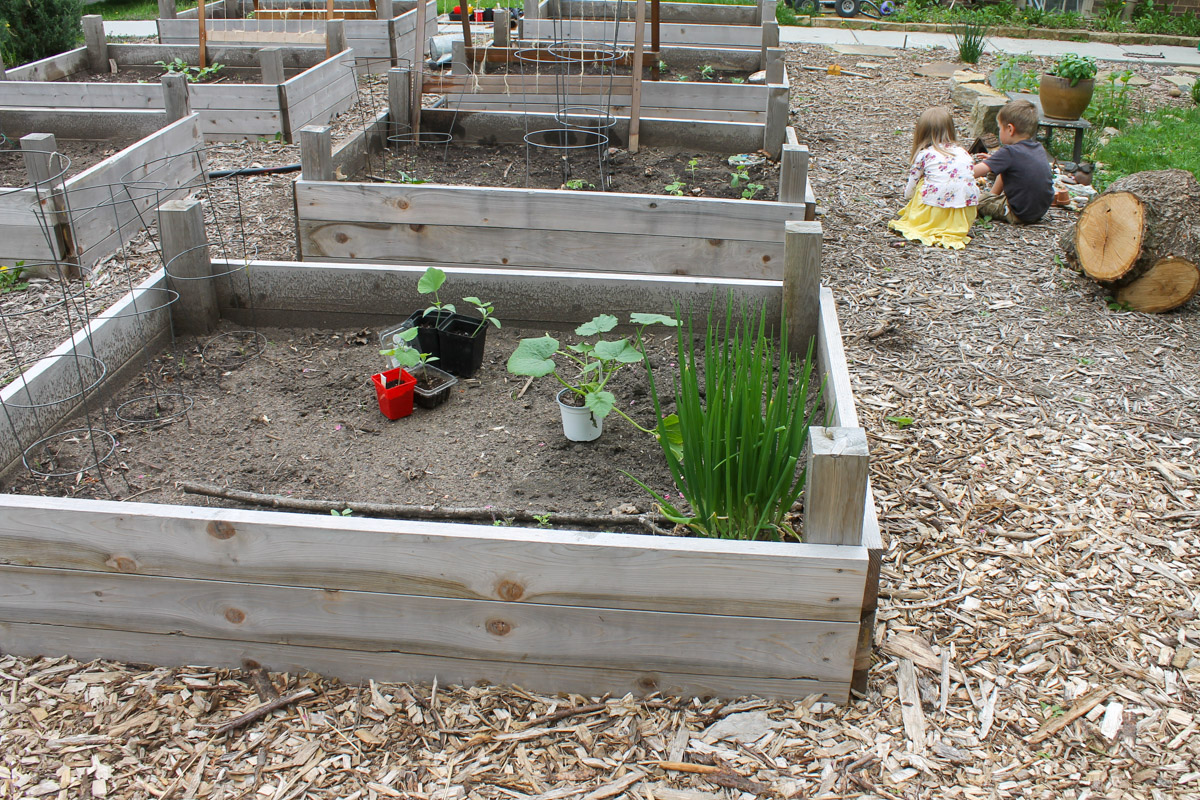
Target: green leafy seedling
(429, 283)
(345, 512)
(900, 422)
(751, 190)
(675, 187)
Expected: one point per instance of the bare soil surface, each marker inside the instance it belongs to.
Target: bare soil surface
(301, 420)
(649, 171)
(126, 74)
(1034, 462)
(80, 156)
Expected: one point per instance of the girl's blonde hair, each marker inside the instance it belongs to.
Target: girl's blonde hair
(935, 127)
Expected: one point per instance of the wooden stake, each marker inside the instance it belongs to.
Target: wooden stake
(202, 7)
(654, 37)
(328, 10)
(466, 23)
(418, 67)
(635, 105)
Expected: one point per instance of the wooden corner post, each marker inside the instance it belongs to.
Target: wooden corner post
(400, 91)
(175, 97)
(316, 153)
(384, 9)
(801, 283)
(793, 173)
(836, 489)
(43, 164)
(639, 54)
(189, 267)
(335, 36)
(166, 9)
(270, 61)
(97, 45)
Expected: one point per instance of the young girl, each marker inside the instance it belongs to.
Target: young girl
(941, 192)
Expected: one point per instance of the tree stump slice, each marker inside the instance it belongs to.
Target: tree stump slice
(1140, 238)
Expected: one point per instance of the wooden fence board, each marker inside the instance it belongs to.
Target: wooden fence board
(628, 571)
(702, 13)
(618, 252)
(354, 666)
(451, 628)
(504, 104)
(543, 209)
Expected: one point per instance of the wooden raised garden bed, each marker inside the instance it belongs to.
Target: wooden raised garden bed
(379, 43)
(92, 213)
(298, 86)
(401, 600)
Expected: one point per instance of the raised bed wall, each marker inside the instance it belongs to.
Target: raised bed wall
(704, 13)
(55, 68)
(413, 601)
(377, 44)
(91, 225)
(228, 112)
(542, 228)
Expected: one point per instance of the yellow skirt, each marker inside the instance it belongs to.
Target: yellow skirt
(931, 225)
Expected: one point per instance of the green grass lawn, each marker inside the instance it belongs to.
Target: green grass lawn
(132, 9)
(1153, 144)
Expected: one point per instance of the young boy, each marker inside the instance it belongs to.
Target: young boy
(1024, 186)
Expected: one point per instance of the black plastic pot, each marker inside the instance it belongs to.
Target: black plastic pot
(427, 340)
(461, 340)
(427, 397)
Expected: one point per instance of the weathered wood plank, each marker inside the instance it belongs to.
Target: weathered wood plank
(838, 467)
(61, 94)
(500, 103)
(547, 209)
(628, 571)
(694, 13)
(356, 666)
(618, 252)
(839, 398)
(726, 36)
(485, 630)
(54, 68)
(615, 91)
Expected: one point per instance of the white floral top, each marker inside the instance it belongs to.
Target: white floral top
(949, 181)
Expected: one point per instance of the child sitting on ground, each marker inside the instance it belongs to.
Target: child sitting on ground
(941, 191)
(1024, 186)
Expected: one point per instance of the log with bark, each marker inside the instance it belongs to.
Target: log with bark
(1140, 239)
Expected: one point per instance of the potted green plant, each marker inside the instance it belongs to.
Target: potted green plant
(1067, 88)
(584, 401)
(431, 386)
(394, 391)
(457, 340)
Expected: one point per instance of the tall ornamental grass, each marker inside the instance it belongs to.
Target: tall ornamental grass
(736, 444)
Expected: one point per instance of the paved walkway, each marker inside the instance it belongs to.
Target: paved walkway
(1171, 55)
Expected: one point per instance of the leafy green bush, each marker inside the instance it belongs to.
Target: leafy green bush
(1196, 91)
(34, 29)
(1012, 76)
(1111, 104)
(740, 429)
(1152, 144)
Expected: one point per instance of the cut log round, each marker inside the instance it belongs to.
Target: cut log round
(1168, 284)
(1141, 239)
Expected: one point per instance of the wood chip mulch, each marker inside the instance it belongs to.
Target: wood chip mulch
(1035, 461)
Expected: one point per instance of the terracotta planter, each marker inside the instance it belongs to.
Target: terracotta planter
(1061, 100)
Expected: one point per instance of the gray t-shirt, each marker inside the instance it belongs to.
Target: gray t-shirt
(1028, 182)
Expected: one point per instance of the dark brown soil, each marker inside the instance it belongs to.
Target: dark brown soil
(154, 75)
(83, 155)
(302, 420)
(649, 171)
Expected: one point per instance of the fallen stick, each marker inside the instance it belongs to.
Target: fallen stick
(719, 776)
(255, 714)
(842, 72)
(1081, 707)
(651, 522)
(566, 712)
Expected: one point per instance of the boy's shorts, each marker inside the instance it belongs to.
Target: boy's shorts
(996, 207)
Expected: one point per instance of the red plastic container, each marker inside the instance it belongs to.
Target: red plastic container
(395, 401)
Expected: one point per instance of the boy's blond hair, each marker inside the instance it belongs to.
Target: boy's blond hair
(1022, 115)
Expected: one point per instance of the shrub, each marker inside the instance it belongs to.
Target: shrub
(35, 29)
(1196, 91)
(970, 38)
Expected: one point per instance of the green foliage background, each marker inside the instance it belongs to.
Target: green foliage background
(34, 29)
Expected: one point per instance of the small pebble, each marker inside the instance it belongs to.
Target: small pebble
(1175, 91)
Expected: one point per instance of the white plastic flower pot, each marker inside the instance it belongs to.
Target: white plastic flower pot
(579, 423)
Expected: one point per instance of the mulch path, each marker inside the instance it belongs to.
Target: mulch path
(1034, 460)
